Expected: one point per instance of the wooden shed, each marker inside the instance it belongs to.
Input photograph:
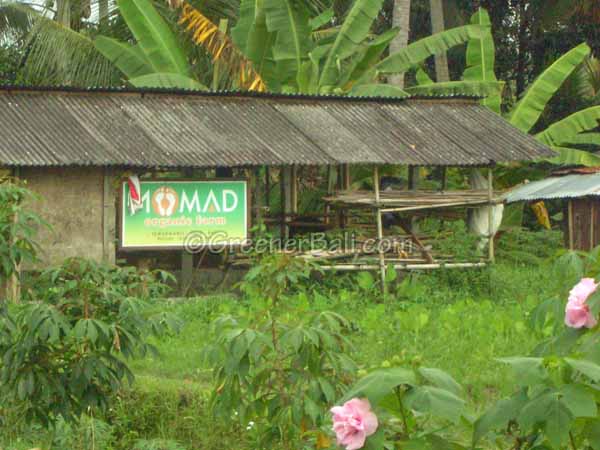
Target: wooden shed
(76, 147)
(579, 189)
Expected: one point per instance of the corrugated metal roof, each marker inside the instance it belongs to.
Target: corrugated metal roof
(569, 186)
(54, 127)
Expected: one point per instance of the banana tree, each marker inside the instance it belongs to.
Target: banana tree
(291, 50)
(564, 136)
(157, 59)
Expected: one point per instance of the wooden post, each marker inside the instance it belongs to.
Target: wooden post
(444, 178)
(593, 214)
(13, 284)
(294, 190)
(267, 186)
(571, 237)
(286, 200)
(379, 230)
(491, 252)
(108, 218)
(187, 258)
(258, 196)
(346, 177)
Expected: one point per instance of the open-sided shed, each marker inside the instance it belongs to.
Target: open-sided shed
(71, 145)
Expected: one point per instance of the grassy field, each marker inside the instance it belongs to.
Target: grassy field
(456, 321)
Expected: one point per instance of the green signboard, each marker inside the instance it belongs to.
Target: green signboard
(184, 214)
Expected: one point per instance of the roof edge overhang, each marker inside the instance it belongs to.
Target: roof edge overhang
(127, 90)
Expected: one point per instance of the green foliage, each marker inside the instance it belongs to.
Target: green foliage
(405, 399)
(18, 227)
(158, 59)
(280, 364)
(528, 110)
(64, 353)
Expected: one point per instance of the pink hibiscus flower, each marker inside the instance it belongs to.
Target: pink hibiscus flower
(353, 423)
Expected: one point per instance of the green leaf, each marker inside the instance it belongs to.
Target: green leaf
(290, 21)
(167, 80)
(155, 38)
(435, 401)
(365, 280)
(419, 51)
(588, 368)
(380, 383)
(423, 78)
(580, 400)
(481, 58)
(528, 371)
(549, 410)
(574, 157)
(583, 139)
(528, 110)
(378, 90)
(375, 441)
(127, 58)
(441, 379)
(592, 433)
(453, 88)
(574, 124)
(322, 19)
(498, 416)
(353, 32)
(366, 58)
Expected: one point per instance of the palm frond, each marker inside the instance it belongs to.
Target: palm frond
(59, 55)
(222, 49)
(16, 20)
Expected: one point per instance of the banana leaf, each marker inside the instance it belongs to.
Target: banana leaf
(457, 88)
(419, 51)
(127, 58)
(583, 139)
(155, 38)
(573, 157)
(353, 32)
(423, 78)
(481, 58)
(563, 130)
(168, 81)
(289, 19)
(528, 110)
(365, 58)
(322, 19)
(378, 90)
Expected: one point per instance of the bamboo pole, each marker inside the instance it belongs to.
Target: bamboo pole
(592, 213)
(379, 230)
(571, 239)
(491, 252)
(374, 267)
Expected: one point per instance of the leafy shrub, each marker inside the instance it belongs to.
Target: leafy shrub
(18, 227)
(63, 353)
(278, 366)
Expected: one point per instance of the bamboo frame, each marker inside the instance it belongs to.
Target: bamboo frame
(491, 250)
(374, 267)
(592, 219)
(571, 237)
(379, 229)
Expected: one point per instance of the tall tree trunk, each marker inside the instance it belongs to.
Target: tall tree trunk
(103, 12)
(400, 19)
(437, 26)
(521, 78)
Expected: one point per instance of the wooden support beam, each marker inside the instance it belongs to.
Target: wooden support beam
(491, 252)
(571, 231)
(109, 214)
(417, 242)
(375, 267)
(379, 230)
(592, 219)
(286, 200)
